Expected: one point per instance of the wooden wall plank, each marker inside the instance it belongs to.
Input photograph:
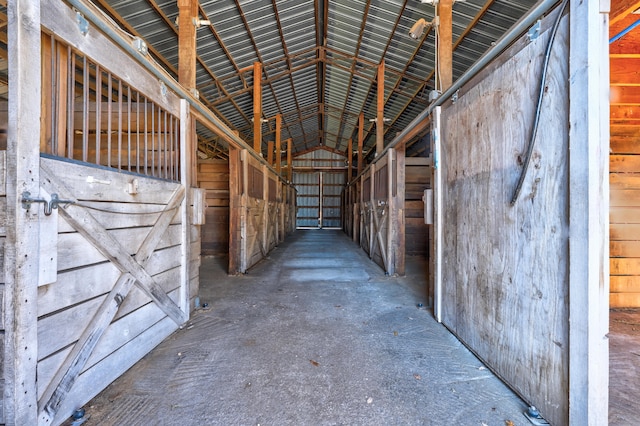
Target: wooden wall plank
(625, 198)
(625, 163)
(624, 231)
(623, 300)
(625, 284)
(624, 180)
(624, 248)
(624, 266)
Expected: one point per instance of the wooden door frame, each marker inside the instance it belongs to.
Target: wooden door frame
(21, 253)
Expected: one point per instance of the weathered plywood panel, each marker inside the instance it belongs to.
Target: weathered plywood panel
(505, 271)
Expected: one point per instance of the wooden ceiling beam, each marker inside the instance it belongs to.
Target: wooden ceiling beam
(621, 8)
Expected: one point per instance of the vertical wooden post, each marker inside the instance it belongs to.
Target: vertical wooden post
(278, 144)
(445, 44)
(187, 130)
(289, 165)
(244, 210)
(380, 110)
(270, 153)
(266, 220)
(257, 107)
(360, 142)
(187, 11)
(438, 219)
(349, 161)
(588, 213)
(235, 182)
(21, 251)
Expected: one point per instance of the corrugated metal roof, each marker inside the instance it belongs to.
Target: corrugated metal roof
(319, 59)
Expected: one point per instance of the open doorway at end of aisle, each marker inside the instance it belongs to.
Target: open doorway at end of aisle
(318, 199)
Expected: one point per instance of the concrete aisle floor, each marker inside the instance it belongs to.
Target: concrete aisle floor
(315, 334)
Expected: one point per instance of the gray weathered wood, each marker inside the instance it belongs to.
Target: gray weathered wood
(504, 269)
(21, 263)
(62, 382)
(588, 214)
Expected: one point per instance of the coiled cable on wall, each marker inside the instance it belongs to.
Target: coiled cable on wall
(543, 80)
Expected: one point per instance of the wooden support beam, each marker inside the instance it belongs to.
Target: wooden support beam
(588, 214)
(445, 44)
(21, 245)
(380, 110)
(278, 144)
(349, 161)
(187, 12)
(360, 141)
(257, 107)
(270, 146)
(289, 165)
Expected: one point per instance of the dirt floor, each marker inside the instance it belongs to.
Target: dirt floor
(316, 334)
(624, 367)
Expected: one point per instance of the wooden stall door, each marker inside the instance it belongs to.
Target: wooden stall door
(117, 257)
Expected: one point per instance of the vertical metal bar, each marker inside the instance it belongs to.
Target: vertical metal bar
(109, 112)
(128, 127)
(320, 191)
(171, 147)
(137, 132)
(164, 145)
(119, 123)
(98, 112)
(53, 97)
(153, 141)
(85, 109)
(146, 137)
(70, 93)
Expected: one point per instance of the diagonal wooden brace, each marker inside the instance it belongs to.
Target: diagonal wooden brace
(63, 381)
(86, 225)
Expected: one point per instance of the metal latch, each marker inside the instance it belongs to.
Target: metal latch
(48, 205)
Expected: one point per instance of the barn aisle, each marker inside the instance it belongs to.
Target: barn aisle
(314, 334)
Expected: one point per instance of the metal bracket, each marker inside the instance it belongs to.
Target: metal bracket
(454, 97)
(83, 24)
(48, 205)
(534, 32)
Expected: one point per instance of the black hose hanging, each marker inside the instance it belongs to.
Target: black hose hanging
(543, 80)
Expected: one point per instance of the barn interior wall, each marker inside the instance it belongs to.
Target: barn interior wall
(213, 176)
(505, 268)
(624, 178)
(417, 179)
